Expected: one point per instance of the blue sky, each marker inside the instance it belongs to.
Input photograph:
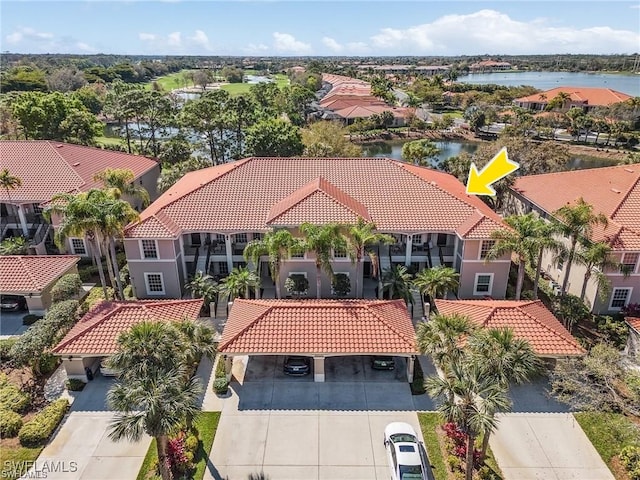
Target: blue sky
(286, 28)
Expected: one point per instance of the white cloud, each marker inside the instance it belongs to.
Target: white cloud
(332, 44)
(286, 43)
(200, 38)
(357, 47)
(147, 37)
(255, 48)
(174, 39)
(28, 34)
(489, 31)
(84, 47)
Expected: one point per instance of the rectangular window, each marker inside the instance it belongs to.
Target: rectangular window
(620, 298)
(220, 238)
(630, 262)
(442, 239)
(483, 284)
(149, 249)
(257, 236)
(417, 239)
(240, 238)
(195, 239)
(78, 247)
(37, 209)
(485, 246)
(223, 268)
(154, 283)
(339, 253)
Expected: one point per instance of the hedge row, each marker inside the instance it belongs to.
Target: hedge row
(11, 398)
(38, 430)
(10, 423)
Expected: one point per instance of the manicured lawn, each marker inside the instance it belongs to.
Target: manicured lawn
(207, 424)
(609, 433)
(237, 88)
(108, 141)
(434, 442)
(14, 459)
(171, 81)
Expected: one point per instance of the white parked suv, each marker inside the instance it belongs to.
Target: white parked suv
(405, 453)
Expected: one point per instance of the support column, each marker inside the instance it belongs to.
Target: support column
(184, 262)
(407, 258)
(410, 366)
(318, 369)
(23, 221)
(229, 250)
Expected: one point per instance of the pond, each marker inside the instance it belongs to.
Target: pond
(452, 148)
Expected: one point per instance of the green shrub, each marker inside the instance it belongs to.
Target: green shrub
(67, 287)
(38, 430)
(75, 385)
(30, 319)
(10, 423)
(630, 458)
(48, 363)
(14, 246)
(417, 384)
(88, 272)
(220, 371)
(220, 386)
(95, 296)
(5, 348)
(11, 398)
(191, 443)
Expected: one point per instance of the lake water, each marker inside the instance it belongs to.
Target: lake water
(629, 84)
(393, 149)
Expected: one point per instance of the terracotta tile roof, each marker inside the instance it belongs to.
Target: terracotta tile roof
(47, 168)
(530, 320)
(240, 196)
(32, 273)
(633, 323)
(318, 327)
(613, 191)
(366, 110)
(97, 332)
(318, 201)
(579, 95)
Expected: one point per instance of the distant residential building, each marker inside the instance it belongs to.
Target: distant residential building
(612, 191)
(490, 66)
(586, 98)
(47, 168)
(424, 70)
(204, 222)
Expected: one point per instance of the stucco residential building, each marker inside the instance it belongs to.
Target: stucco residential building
(612, 191)
(47, 168)
(586, 98)
(207, 218)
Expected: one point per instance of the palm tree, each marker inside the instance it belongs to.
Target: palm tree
(504, 358)
(398, 281)
(203, 286)
(239, 283)
(596, 258)
(80, 218)
(358, 237)
(576, 222)
(199, 340)
(322, 240)
(120, 181)
(278, 245)
(9, 182)
(471, 399)
(516, 241)
(543, 238)
(436, 281)
(440, 337)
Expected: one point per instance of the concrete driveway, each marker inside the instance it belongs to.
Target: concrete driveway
(293, 428)
(81, 448)
(546, 446)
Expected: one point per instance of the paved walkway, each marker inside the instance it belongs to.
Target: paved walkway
(81, 449)
(545, 446)
(293, 428)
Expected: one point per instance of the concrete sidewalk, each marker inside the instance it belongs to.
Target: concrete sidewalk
(545, 446)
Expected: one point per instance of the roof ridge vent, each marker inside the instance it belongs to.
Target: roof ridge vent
(628, 170)
(76, 164)
(615, 190)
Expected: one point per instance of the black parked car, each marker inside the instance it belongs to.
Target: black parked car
(382, 363)
(297, 365)
(13, 302)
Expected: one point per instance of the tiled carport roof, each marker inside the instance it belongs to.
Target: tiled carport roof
(97, 332)
(23, 274)
(342, 327)
(530, 320)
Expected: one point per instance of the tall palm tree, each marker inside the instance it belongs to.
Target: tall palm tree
(470, 400)
(398, 281)
(440, 337)
(80, 218)
(322, 240)
(277, 245)
(543, 238)
(504, 358)
(437, 281)
(516, 241)
(199, 340)
(576, 222)
(596, 257)
(120, 181)
(358, 237)
(203, 286)
(9, 182)
(239, 283)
